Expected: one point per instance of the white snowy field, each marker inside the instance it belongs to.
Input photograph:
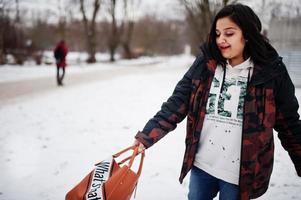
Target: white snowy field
(50, 141)
(76, 64)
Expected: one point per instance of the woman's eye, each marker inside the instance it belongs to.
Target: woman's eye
(229, 34)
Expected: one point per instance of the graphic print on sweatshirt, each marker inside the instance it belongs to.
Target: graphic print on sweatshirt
(227, 106)
(220, 141)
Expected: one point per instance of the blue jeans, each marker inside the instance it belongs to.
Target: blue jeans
(203, 186)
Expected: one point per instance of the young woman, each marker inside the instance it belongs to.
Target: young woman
(235, 93)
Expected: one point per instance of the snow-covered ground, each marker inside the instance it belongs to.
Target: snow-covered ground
(49, 142)
(76, 64)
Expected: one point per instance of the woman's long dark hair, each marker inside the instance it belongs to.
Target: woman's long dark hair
(257, 45)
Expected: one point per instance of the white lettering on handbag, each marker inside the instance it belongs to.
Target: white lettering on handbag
(101, 173)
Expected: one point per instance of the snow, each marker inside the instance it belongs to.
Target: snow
(49, 141)
(11, 73)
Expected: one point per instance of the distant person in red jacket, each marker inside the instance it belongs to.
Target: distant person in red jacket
(60, 53)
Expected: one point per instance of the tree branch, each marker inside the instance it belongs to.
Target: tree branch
(83, 11)
(96, 8)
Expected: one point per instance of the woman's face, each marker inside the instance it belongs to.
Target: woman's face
(230, 40)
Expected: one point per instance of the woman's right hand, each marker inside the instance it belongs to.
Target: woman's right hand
(141, 147)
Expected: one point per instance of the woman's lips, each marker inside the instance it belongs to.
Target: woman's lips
(223, 48)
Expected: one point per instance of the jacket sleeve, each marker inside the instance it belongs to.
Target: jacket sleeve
(172, 112)
(287, 123)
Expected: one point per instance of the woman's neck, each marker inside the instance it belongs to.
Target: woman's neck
(236, 61)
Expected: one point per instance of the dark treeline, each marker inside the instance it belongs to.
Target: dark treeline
(150, 37)
(147, 35)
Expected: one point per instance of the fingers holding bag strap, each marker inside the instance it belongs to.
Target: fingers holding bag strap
(135, 153)
(127, 158)
(123, 151)
(132, 157)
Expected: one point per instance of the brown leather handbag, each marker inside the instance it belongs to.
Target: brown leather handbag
(109, 180)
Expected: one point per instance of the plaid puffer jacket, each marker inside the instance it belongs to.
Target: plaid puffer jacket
(270, 103)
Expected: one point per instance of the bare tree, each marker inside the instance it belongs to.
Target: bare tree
(12, 35)
(121, 30)
(226, 2)
(19, 53)
(90, 29)
(127, 26)
(199, 15)
(4, 20)
(114, 37)
(158, 37)
(17, 19)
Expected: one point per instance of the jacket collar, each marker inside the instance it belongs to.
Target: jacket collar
(263, 74)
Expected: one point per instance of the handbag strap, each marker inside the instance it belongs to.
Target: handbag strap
(132, 157)
(135, 153)
(141, 163)
(124, 150)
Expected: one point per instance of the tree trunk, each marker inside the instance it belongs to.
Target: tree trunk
(2, 57)
(62, 29)
(112, 54)
(90, 30)
(114, 38)
(91, 47)
(2, 50)
(128, 27)
(126, 43)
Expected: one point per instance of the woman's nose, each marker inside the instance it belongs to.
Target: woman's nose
(221, 40)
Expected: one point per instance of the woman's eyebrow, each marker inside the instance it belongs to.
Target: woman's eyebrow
(229, 28)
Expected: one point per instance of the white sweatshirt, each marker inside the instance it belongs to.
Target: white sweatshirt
(220, 142)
